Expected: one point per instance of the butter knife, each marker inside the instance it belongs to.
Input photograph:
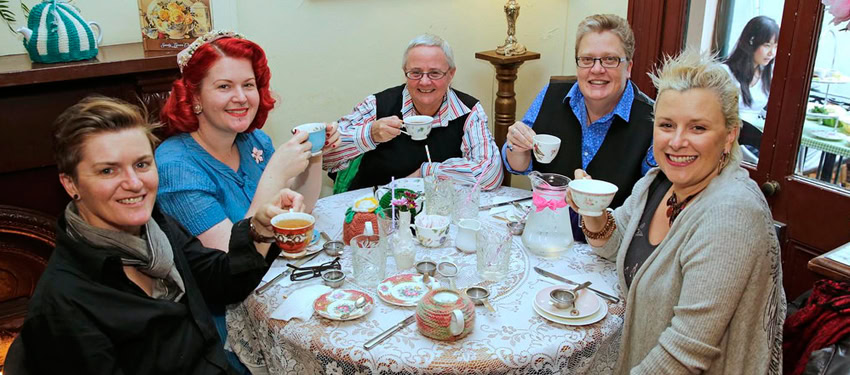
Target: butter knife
(500, 204)
(568, 281)
(386, 334)
(285, 273)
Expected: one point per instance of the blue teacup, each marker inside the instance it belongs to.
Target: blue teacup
(317, 135)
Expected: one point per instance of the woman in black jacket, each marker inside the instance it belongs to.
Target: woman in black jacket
(125, 289)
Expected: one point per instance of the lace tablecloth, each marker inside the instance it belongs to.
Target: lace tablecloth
(513, 340)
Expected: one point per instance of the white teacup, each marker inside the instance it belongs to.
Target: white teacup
(418, 127)
(431, 230)
(546, 147)
(592, 196)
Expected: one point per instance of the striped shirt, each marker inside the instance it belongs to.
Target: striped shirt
(480, 160)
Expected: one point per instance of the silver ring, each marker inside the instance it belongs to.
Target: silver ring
(510, 147)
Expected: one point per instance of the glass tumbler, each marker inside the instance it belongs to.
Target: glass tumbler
(369, 260)
(466, 202)
(493, 254)
(439, 195)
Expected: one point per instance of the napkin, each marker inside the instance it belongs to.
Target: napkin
(299, 304)
(597, 282)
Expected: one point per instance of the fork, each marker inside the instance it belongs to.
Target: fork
(386, 334)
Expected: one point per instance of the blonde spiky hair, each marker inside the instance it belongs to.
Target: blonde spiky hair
(694, 70)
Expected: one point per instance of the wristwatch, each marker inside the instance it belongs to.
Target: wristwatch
(259, 238)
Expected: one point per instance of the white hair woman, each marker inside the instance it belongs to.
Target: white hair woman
(696, 252)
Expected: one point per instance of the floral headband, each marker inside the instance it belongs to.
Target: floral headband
(185, 55)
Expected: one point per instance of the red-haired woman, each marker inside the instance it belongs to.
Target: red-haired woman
(218, 166)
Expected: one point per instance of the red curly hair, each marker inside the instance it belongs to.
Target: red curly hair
(177, 113)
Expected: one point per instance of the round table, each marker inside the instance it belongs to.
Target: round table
(514, 339)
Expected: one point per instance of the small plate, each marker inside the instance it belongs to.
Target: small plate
(416, 185)
(587, 303)
(332, 305)
(599, 315)
(315, 246)
(829, 135)
(405, 289)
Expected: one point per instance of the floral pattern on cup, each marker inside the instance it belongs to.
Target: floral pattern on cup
(418, 126)
(546, 147)
(592, 196)
(293, 240)
(432, 230)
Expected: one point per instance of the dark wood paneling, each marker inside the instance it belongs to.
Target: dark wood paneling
(659, 27)
(796, 277)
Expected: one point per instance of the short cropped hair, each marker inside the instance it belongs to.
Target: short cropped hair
(598, 23)
(694, 70)
(94, 115)
(429, 40)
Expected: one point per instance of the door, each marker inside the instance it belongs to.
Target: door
(804, 155)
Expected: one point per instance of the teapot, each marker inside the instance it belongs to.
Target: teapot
(445, 314)
(57, 33)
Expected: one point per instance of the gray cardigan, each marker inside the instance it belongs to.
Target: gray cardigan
(709, 299)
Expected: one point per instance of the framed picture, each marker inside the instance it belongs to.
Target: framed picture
(173, 24)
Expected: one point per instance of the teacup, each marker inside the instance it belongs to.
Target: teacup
(431, 230)
(546, 147)
(317, 135)
(592, 196)
(418, 126)
(293, 231)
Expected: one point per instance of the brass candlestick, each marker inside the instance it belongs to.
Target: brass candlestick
(511, 46)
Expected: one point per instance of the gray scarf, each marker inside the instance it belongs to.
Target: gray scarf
(150, 253)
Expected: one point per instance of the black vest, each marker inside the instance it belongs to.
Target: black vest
(618, 160)
(402, 156)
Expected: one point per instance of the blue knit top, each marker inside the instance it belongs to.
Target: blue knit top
(200, 191)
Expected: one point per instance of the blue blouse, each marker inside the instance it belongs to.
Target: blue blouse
(592, 138)
(200, 191)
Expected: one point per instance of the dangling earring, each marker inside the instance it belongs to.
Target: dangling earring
(76, 197)
(197, 109)
(724, 159)
(751, 39)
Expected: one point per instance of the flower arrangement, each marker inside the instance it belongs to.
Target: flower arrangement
(840, 11)
(169, 19)
(407, 201)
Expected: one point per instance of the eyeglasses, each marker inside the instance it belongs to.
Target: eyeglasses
(432, 75)
(307, 273)
(606, 61)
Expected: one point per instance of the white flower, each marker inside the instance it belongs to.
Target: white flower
(257, 154)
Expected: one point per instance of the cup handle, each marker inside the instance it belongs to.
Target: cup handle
(99, 31)
(456, 324)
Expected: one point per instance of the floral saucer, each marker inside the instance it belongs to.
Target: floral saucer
(405, 289)
(334, 305)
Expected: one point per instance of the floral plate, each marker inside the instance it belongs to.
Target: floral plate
(335, 304)
(405, 289)
(593, 318)
(586, 305)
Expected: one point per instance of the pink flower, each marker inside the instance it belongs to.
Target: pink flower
(840, 10)
(257, 154)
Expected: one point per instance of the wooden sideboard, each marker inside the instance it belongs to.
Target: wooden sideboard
(32, 95)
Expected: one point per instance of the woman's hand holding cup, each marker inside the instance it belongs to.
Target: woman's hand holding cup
(520, 137)
(331, 136)
(385, 129)
(292, 157)
(592, 223)
(283, 201)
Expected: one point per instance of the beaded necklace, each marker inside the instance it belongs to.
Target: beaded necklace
(674, 207)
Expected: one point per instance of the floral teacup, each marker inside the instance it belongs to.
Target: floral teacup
(418, 126)
(432, 230)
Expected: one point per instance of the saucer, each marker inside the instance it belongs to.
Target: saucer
(405, 289)
(599, 315)
(587, 304)
(334, 304)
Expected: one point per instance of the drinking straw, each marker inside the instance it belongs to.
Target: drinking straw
(392, 198)
(428, 153)
(477, 183)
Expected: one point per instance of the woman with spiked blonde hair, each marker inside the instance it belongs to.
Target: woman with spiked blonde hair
(696, 252)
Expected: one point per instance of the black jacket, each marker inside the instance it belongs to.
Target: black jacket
(87, 317)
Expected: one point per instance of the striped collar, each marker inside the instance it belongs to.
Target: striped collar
(451, 108)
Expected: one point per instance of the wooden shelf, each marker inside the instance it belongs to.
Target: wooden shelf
(18, 70)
